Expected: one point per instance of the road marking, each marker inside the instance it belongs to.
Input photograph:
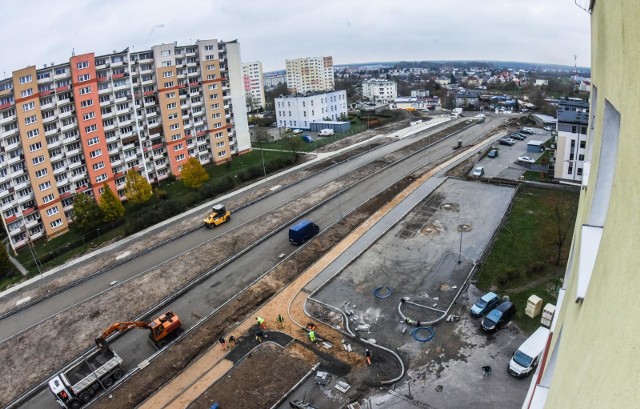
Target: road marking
(123, 255)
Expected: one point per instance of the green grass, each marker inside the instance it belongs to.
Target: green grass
(545, 291)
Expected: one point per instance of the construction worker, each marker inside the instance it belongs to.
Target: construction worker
(280, 320)
(367, 355)
(232, 341)
(261, 323)
(311, 326)
(223, 343)
(312, 336)
(259, 335)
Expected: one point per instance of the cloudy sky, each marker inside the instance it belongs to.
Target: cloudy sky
(546, 31)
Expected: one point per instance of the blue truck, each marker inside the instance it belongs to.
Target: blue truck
(302, 231)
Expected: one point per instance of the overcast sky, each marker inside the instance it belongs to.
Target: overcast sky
(545, 31)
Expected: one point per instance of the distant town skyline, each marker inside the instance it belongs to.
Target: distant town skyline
(544, 31)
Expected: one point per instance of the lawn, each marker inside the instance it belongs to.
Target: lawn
(523, 258)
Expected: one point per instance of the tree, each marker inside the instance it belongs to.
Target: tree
(87, 215)
(7, 269)
(560, 225)
(193, 174)
(137, 188)
(111, 206)
(294, 145)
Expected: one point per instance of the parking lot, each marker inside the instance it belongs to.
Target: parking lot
(505, 165)
(420, 258)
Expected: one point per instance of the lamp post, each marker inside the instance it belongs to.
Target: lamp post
(460, 227)
(337, 177)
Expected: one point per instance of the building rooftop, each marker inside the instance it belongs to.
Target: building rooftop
(573, 117)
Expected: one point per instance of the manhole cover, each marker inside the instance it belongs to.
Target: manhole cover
(439, 388)
(449, 206)
(464, 227)
(431, 230)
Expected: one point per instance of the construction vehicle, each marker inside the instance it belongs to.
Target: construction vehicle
(163, 329)
(76, 386)
(219, 214)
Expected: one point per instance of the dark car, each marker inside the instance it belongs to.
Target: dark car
(518, 136)
(506, 141)
(493, 153)
(485, 304)
(498, 316)
(302, 231)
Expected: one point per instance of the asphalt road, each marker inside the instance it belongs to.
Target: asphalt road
(134, 347)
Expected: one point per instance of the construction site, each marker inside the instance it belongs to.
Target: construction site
(391, 272)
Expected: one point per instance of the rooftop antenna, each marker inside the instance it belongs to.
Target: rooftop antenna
(575, 64)
(73, 52)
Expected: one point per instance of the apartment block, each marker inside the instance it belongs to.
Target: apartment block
(571, 142)
(383, 91)
(310, 74)
(301, 111)
(71, 128)
(591, 359)
(253, 85)
(273, 79)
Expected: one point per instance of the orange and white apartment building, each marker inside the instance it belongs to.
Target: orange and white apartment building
(70, 128)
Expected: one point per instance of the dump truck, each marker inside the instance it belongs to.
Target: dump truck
(161, 330)
(77, 385)
(219, 214)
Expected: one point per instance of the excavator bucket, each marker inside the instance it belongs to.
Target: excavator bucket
(102, 343)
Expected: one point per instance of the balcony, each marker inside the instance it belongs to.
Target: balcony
(130, 158)
(25, 198)
(79, 176)
(57, 156)
(65, 74)
(7, 119)
(9, 133)
(14, 160)
(68, 127)
(109, 127)
(102, 91)
(73, 151)
(122, 99)
(47, 105)
(116, 162)
(105, 103)
(60, 170)
(107, 115)
(62, 115)
(17, 173)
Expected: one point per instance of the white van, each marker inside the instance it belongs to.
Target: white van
(326, 132)
(527, 357)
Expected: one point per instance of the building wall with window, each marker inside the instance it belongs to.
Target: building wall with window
(380, 90)
(300, 111)
(70, 128)
(592, 355)
(310, 74)
(571, 142)
(253, 85)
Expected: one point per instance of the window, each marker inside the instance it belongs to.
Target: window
(90, 128)
(222, 153)
(213, 86)
(178, 147)
(86, 103)
(211, 77)
(48, 198)
(83, 64)
(33, 133)
(96, 153)
(176, 137)
(170, 95)
(53, 210)
(98, 166)
(30, 120)
(83, 77)
(166, 63)
(88, 116)
(93, 141)
(173, 105)
(26, 79)
(44, 186)
(36, 146)
(173, 116)
(211, 67)
(26, 93)
(169, 84)
(583, 144)
(165, 53)
(56, 223)
(101, 178)
(42, 172)
(29, 106)
(85, 90)
(208, 47)
(167, 74)
(173, 127)
(210, 57)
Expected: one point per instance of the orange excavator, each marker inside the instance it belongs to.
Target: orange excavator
(163, 329)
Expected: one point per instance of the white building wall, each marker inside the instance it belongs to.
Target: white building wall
(300, 112)
(236, 86)
(380, 90)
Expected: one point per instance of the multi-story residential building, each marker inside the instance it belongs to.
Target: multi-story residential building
(74, 127)
(310, 74)
(571, 142)
(301, 111)
(273, 79)
(591, 359)
(253, 85)
(380, 90)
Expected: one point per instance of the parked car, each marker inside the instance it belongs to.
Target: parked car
(526, 159)
(302, 231)
(527, 131)
(518, 136)
(307, 139)
(506, 141)
(498, 316)
(485, 304)
(297, 131)
(548, 128)
(527, 357)
(478, 172)
(493, 153)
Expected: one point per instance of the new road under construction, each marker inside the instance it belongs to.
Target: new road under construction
(384, 286)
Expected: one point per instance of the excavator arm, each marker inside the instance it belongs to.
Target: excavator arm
(101, 341)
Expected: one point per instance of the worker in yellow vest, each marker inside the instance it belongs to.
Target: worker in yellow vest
(312, 336)
(261, 323)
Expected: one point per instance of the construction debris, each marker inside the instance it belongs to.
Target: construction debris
(342, 386)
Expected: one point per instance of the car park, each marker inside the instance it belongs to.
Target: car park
(478, 172)
(507, 141)
(498, 316)
(485, 304)
(493, 153)
(526, 159)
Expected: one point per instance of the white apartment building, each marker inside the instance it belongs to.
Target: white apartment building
(253, 85)
(71, 128)
(380, 90)
(301, 111)
(310, 74)
(273, 79)
(571, 142)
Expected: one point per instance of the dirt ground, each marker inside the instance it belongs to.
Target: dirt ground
(74, 334)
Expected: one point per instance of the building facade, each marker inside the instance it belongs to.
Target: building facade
(273, 79)
(310, 74)
(591, 360)
(571, 142)
(301, 111)
(253, 85)
(380, 90)
(74, 127)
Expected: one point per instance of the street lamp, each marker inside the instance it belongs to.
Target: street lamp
(460, 227)
(337, 177)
